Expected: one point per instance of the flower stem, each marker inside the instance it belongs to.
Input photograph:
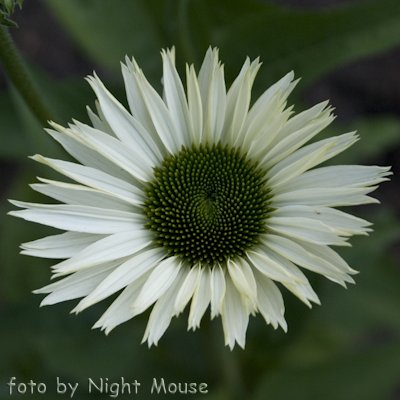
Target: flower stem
(21, 78)
(232, 374)
(229, 366)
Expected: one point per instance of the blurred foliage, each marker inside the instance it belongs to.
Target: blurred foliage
(308, 42)
(346, 349)
(7, 10)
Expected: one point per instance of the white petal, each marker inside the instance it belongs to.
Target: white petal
(279, 149)
(267, 108)
(298, 162)
(158, 282)
(304, 292)
(271, 268)
(306, 229)
(66, 245)
(82, 195)
(319, 151)
(110, 248)
(131, 159)
(218, 288)
(341, 222)
(284, 86)
(206, 75)
(77, 285)
(297, 254)
(216, 108)
(126, 128)
(270, 301)
(87, 156)
(125, 274)
(201, 299)
(160, 115)
(187, 289)
(234, 317)
(284, 263)
(175, 97)
(120, 310)
(328, 255)
(163, 311)
(96, 179)
(259, 146)
(338, 176)
(300, 287)
(98, 121)
(79, 218)
(280, 90)
(195, 105)
(243, 278)
(138, 106)
(300, 121)
(238, 114)
(329, 197)
(238, 102)
(343, 142)
(259, 127)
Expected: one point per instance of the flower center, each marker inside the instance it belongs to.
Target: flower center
(207, 204)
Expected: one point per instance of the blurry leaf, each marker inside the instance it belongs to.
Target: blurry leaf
(308, 42)
(109, 30)
(63, 345)
(69, 97)
(7, 10)
(13, 143)
(379, 134)
(372, 375)
(48, 342)
(39, 140)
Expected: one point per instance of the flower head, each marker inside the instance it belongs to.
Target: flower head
(197, 196)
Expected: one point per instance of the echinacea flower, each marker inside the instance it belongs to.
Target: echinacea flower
(197, 196)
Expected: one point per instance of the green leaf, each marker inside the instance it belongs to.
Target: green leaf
(13, 143)
(7, 10)
(109, 30)
(370, 375)
(69, 97)
(379, 134)
(39, 140)
(309, 42)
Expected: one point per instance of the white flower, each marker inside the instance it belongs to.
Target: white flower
(197, 196)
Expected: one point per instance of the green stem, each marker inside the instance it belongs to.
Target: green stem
(229, 367)
(232, 374)
(20, 76)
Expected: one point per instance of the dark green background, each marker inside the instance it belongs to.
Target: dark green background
(348, 348)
